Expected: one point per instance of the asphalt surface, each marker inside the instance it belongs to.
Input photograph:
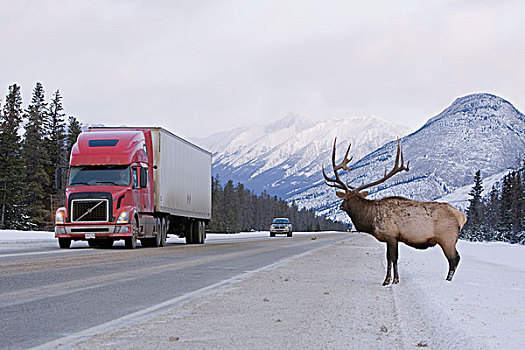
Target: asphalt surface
(47, 293)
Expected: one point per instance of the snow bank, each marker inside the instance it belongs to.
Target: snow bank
(15, 235)
(511, 255)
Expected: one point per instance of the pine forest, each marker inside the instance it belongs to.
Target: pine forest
(500, 216)
(37, 140)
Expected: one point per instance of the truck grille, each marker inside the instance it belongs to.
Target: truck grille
(90, 210)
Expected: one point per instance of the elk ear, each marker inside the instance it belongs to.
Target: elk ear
(364, 194)
(341, 195)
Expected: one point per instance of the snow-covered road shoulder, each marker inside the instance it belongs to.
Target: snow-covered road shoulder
(483, 306)
(332, 298)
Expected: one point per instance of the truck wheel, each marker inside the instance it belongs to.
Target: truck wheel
(64, 243)
(153, 241)
(131, 242)
(198, 232)
(272, 234)
(163, 233)
(158, 237)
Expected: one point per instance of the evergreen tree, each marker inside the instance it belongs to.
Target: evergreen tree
(506, 223)
(217, 221)
(231, 217)
(473, 228)
(12, 171)
(56, 147)
(74, 128)
(56, 129)
(492, 215)
(519, 200)
(36, 160)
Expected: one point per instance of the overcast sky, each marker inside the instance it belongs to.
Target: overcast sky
(197, 67)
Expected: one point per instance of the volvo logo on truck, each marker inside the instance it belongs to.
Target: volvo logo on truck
(134, 184)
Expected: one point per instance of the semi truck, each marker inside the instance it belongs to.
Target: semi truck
(134, 183)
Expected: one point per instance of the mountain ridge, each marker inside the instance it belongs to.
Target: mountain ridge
(477, 132)
(285, 156)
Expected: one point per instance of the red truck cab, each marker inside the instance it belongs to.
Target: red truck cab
(110, 191)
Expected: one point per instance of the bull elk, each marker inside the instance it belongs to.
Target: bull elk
(397, 219)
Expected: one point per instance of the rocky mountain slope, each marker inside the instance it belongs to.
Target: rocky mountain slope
(479, 131)
(285, 157)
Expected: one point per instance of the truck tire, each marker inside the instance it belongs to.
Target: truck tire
(131, 242)
(164, 231)
(153, 241)
(198, 232)
(64, 243)
(158, 237)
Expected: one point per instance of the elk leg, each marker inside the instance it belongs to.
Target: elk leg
(387, 278)
(394, 262)
(452, 256)
(452, 265)
(391, 252)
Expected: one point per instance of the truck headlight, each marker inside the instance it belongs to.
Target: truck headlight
(60, 217)
(123, 218)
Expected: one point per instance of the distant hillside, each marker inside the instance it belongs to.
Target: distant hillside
(479, 131)
(285, 157)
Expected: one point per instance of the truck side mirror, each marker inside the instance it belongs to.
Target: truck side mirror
(143, 177)
(58, 178)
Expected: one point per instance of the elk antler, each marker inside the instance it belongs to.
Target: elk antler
(336, 182)
(392, 172)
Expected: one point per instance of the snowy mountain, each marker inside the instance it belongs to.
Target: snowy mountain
(479, 131)
(285, 157)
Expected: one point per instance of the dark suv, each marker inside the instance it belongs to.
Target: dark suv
(281, 225)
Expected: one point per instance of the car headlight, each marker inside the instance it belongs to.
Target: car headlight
(123, 218)
(272, 227)
(60, 217)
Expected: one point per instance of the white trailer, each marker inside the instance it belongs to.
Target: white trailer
(182, 176)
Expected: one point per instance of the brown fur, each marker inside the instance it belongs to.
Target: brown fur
(397, 219)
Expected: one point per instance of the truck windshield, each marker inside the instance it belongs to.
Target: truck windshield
(99, 175)
(281, 221)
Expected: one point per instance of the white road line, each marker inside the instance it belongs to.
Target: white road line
(35, 253)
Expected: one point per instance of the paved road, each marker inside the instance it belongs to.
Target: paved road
(47, 293)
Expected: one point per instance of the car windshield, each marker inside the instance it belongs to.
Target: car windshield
(281, 221)
(118, 175)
